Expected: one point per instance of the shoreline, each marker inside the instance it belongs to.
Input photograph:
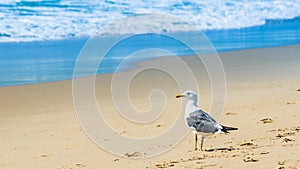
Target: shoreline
(232, 53)
(39, 127)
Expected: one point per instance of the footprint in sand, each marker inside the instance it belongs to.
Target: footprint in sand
(173, 163)
(222, 149)
(266, 120)
(265, 152)
(287, 140)
(280, 135)
(80, 165)
(290, 103)
(134, 154)
(45, 156)
(247, 144)
(123, 132)
(281, 162)
(42, 156)
(249, 159)
(166, 165)
(230, 113)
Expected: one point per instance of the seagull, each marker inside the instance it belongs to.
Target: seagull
(199, 121)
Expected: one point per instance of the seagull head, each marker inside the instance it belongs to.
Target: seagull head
(188, 95)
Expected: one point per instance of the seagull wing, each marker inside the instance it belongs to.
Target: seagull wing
(202, 122)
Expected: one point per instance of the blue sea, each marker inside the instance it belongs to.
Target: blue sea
(40, 40)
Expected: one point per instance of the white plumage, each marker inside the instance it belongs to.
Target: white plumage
(199, 121)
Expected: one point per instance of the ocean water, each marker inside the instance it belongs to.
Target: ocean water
(27, 20)
(40, 40)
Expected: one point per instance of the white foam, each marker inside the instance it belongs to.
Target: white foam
(66, 19)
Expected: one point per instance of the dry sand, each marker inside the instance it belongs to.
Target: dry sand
(39, 126)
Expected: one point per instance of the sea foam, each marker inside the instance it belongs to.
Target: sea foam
(32, 20)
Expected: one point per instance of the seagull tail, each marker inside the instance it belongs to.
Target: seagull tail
(226, 129)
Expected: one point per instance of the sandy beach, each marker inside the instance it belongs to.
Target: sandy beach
(39, 127)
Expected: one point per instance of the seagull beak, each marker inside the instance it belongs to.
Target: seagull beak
(179, 95)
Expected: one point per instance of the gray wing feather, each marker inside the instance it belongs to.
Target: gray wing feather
(202, 122)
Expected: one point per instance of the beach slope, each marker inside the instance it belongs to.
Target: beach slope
(39, 126)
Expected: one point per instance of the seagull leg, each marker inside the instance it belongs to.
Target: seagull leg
(202, 139)
(196, 140)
